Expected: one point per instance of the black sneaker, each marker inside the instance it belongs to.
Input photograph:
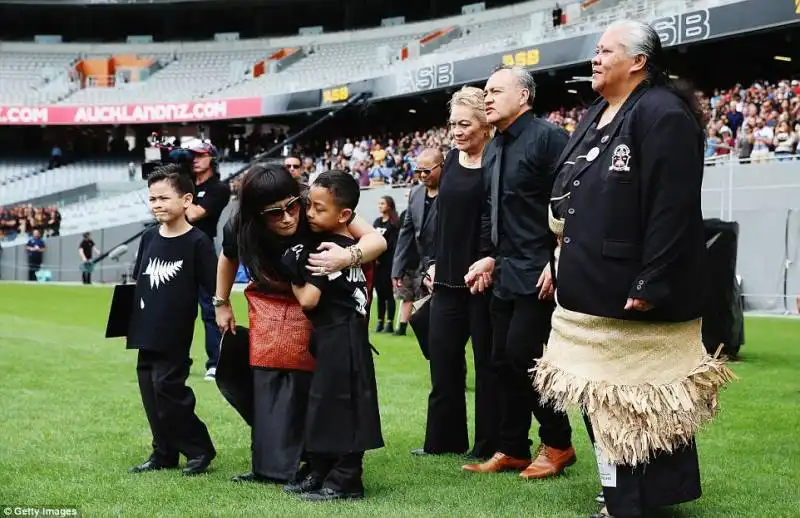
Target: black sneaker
(379, 327)
(389, 328)
(327, 494)
(309, 484)
(153, 464)
(197, 465)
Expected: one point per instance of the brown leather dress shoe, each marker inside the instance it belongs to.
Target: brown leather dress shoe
(498, 463)
(549, 462)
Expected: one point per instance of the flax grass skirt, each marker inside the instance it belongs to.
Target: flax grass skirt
(646, 387)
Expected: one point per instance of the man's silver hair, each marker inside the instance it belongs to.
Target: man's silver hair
(524, 79)
(637, 37)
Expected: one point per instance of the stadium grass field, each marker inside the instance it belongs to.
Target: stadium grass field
(72, 423)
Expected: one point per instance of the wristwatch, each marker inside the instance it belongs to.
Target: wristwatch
(218, 302)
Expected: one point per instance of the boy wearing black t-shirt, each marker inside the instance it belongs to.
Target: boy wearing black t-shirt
(174, 259)
(343, 420)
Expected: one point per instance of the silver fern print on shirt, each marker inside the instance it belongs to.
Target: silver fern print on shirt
(160, 272)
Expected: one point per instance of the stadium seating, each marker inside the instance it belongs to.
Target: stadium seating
(70, 176)
(31, 78)
(490, 36)
(184, 76)
(325, 65)
(117, 210)
(13, 170)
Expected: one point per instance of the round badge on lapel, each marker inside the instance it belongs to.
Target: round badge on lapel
(604, 139)
(592, 154)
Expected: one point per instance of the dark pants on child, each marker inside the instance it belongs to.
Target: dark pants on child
(169, 405)
(339, 472)
(213, 334)
(456, 316)
(521, 327)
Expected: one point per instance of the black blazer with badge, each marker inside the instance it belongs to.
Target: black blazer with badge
(416, 243)
(634, 227)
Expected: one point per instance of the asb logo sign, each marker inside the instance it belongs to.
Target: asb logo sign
(425, 78)
(683, 28)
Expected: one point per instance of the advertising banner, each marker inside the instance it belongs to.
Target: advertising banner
(131, 113)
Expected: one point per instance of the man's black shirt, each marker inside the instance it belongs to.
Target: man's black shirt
(212, 195)
(530, 149)
(87, 245)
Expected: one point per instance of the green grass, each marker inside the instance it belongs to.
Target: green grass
(71, 424)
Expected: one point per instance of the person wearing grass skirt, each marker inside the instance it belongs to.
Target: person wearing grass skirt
(626, 344)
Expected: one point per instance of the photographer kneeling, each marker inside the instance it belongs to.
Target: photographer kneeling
(211, 197)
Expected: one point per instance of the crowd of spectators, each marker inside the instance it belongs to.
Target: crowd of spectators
(387, 159)
(753, 123)
(25, 219)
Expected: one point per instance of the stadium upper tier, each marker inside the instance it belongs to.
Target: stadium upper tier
(33, 74)
(24, 180)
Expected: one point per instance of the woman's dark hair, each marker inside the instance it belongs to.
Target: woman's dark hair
(641, 38)
(260, 250)
(392, 208)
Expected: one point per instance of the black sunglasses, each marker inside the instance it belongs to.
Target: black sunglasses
(278, 212)
(427, 170)
(292, 166)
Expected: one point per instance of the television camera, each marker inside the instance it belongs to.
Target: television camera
(163, 151)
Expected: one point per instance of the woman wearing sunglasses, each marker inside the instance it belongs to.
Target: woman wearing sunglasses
(271, 218)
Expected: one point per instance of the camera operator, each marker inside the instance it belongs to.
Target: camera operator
(211, 197)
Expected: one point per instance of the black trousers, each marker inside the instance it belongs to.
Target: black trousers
(636, 491)
(385, 293)
(339, 472)
(169, 405)
(455, 317)
(521, 327)
(33, 267)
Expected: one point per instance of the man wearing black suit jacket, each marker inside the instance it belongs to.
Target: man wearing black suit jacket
(416, 244)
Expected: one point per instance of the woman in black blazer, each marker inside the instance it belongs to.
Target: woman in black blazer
(626, 335)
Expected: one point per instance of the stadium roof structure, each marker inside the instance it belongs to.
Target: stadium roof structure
(243, 79)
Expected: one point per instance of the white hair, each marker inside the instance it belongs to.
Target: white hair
(637, 37)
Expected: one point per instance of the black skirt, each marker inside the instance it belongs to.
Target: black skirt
(343, 414)
(280, 404)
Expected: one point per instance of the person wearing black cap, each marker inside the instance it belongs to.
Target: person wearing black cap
(211, 197)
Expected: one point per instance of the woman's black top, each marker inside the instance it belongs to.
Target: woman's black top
(461, 198)
(560, 200)
(389, 230)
